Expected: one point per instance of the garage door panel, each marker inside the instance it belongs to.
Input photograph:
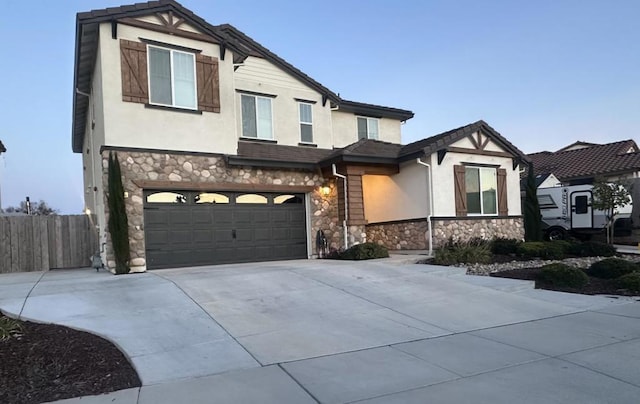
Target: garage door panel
(202, 234)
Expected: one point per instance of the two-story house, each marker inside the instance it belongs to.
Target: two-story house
(230, 154)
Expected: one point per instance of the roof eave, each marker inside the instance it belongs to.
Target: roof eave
(258, 162)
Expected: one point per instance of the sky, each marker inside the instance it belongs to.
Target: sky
(543, 73)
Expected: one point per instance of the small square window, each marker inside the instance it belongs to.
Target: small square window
(306, 122)
(367, 128)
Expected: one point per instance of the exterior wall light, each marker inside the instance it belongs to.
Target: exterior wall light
(325, 189)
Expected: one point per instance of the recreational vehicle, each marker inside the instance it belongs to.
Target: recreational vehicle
(568, 210)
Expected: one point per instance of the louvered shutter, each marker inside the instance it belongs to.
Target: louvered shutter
(133, 61)
(208, 83)
(503, 209)
(460, 190)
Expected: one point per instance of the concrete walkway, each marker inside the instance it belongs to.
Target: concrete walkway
(334, 332)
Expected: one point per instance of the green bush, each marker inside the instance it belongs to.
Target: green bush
(463, 254)
(610, 268)
(563, 276)
(364, 251)
(9, 327)
(504, 246)
(546, 250)
(592, 249)
(630, 281)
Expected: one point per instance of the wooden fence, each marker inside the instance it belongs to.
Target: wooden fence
(40, 243)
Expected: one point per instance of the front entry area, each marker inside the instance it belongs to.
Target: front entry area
(191, 228)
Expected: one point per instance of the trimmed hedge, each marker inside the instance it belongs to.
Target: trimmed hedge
(504, 246)
(630, 282)
(610, 268)
(592, 249)
(546, 250)
(364, 251)
(563, 276)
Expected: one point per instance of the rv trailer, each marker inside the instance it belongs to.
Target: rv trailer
(567, 210)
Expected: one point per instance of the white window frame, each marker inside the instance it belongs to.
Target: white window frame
(367, 120)
(301, 122)
(255, 100)
(495, 170)
(173, 94)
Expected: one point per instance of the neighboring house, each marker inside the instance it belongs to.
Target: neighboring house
(583, 163)
(230, 154)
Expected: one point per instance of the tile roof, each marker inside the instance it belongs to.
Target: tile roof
(274, 152)
(434, 143)
(593, 161)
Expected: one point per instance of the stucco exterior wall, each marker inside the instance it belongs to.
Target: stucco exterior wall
(345, 129)
(397, 197)
(443, 180)
(132, 125)
(261, 76)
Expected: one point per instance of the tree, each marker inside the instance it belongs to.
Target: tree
(532, 217)
(608, 197)
(118, 222)
(39, 208)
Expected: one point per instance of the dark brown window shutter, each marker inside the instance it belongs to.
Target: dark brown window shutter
(503, 209)
(460, 190)
(133, 61)
(208, 83)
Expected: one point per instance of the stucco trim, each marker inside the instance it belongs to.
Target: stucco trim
(418, 219)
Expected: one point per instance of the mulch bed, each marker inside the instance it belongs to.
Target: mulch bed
(595, 286)
(47, 362)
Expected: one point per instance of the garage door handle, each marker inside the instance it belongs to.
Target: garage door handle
(233, 233)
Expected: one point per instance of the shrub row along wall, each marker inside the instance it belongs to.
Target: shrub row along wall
(413, 234)
(40, 243)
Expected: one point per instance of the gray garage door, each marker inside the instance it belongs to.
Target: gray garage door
(202, 228)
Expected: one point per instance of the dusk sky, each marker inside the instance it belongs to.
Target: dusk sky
(542, 73)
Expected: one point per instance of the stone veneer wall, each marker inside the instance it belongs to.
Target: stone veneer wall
(464, 229)
(404, 235)
(181, 168)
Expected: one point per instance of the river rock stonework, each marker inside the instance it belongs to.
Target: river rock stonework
(463, 229)
(198, 169)
(405, 235)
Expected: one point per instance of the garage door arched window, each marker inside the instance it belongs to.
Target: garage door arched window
(166, 197)
(252, 198)
(207, 197)
(286, 198)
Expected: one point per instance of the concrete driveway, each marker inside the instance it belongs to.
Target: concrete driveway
(334, 332)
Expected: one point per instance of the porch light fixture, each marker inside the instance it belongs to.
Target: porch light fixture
(325, 189)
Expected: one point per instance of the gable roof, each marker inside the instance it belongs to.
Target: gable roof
(577, 145)
(592, 161)
(87, 24)
(367, 151)
(434, 143)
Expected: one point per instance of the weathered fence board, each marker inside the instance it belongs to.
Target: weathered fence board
(40, 243)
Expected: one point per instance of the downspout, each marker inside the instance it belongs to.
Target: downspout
(430, 193)
(346, 205)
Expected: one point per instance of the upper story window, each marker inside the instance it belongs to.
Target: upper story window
(306, 122)
(172, 78)
(482, 190)
(256, 117)
(367, 128)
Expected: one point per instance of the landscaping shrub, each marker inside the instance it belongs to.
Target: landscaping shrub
(504, 246)
(364, 251)
(630, 281)
(8, 327)
(592, 249)
(610, 268)
(563, 276)
(463, 253)
(547, 250)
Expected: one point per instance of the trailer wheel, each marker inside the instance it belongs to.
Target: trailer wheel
(556, 233)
